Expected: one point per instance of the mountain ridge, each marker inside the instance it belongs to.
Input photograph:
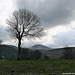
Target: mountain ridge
(39, 46)
(10, 52)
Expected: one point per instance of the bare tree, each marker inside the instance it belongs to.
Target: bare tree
(1, 41)
(67, 53)
(23, 23)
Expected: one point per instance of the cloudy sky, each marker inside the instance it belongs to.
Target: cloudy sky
(56, 16)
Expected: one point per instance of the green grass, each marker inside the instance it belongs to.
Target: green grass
(37, 67)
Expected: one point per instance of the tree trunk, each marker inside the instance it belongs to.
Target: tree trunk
(19, 49)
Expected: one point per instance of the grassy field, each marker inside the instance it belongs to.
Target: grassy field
(37, 67)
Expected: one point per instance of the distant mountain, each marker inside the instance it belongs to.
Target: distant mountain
(39, 46)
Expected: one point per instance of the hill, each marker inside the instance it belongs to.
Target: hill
(55, 53)
(39, 46)
(11, 46)
(8, 52)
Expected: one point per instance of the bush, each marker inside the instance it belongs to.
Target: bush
(35, 54)
(24, 53)
(46, 57)
(30, 54)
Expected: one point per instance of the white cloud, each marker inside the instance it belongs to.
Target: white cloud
(6, 7)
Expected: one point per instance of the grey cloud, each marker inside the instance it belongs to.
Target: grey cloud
(4, 34)
(51, 12)
(65, 39)
(29, 43)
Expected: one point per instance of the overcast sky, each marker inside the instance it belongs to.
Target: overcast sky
(56, 16)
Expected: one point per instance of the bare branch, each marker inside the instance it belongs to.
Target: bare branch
(1, 41)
